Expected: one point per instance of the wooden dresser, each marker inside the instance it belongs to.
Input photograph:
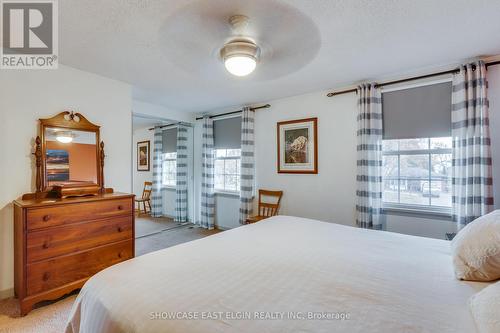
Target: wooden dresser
(60, 243)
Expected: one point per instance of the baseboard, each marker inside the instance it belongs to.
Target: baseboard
(222, 228)
(6, 293)
(172, 217)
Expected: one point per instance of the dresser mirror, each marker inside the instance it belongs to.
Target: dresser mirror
(69, 156)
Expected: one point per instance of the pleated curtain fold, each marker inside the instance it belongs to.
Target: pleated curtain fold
(247, 171)
(471, 163)
(207, 217)
(369, 157)
(156, 196)
(181, 188)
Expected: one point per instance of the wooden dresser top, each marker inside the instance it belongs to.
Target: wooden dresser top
(58, 201)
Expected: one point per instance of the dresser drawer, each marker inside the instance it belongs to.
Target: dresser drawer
(53, 273)
(48, 243)
(70, 213)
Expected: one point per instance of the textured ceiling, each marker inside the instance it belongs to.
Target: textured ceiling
(146, 122)
(168, 49)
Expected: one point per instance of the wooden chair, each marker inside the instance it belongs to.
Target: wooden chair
(146, 198)
(266, 209)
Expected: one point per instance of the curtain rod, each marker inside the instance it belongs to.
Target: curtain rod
(451, 71)
(174, 124)
(237, 111)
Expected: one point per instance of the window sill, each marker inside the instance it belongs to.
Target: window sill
(230, 194)
(168, 188)
(442, 213)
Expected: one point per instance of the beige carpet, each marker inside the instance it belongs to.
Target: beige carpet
(49, 317)
(146, 226)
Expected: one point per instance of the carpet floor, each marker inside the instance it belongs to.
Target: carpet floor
(50, 317)
(146, 226)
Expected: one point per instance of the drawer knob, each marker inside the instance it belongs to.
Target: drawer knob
(46, 276)
(120, 207)
(119, 255)
(45, 245)
(46, 218)
(120, 229)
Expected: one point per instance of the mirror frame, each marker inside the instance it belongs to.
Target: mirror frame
(71, 121)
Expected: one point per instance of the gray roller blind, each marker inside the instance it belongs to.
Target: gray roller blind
(421, 112)
(170, 140)
(227, 133)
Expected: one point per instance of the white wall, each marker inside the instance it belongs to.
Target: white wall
(26, 96)
(330, 195)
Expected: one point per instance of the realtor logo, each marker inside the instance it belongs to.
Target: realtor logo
(29, 34)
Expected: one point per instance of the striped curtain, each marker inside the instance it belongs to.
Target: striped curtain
(369, 157)
(472, 170)
(156, 197)
(181, 188)
(207, 175)
(247, 164)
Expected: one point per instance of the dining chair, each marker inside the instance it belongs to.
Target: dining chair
(145, 199)
(266, 209)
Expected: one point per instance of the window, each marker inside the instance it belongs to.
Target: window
(169, 154)
(227, 152)
(169, 169)
(417, 173)
(227, 170)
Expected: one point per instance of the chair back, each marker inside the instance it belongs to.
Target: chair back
(268, 209)
(148, 188)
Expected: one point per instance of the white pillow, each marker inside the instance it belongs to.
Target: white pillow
(476, 249)
(485, 308)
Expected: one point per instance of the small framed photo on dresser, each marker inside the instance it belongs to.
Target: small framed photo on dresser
(298, 146)
(143, 156)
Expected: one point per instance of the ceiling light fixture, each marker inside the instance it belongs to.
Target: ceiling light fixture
(241, 54)
(64, 137)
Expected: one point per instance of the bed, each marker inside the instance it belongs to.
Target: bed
(284, 274)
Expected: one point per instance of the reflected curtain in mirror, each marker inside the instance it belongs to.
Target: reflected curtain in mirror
(181, 189)
(156, 198)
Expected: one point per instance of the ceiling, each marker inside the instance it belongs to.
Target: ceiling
(168, 49)
(147, 122)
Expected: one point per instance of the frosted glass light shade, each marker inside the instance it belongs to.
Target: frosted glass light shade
(240, 65)
(64, 137)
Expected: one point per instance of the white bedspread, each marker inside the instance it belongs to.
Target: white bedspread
(276, 270)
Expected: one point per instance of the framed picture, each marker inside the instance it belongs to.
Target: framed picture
(57, 165)
(143, 156)
(298, 146)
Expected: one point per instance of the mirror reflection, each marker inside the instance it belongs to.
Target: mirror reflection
(71, 156)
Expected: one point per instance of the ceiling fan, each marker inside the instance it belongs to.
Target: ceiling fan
(240, 54)
(264, 38)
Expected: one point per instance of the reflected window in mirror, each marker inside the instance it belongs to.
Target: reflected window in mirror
(169, 169)
(71, 156)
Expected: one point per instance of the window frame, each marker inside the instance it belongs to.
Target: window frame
(165, 159)
(238, 174)
(415, 208)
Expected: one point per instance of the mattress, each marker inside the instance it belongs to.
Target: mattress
(284, 274)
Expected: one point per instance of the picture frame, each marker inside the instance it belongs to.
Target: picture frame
(298, 146)
(143, 156)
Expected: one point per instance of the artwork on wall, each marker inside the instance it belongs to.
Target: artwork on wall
(143, 156)
(57, 165)
(298, 146)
